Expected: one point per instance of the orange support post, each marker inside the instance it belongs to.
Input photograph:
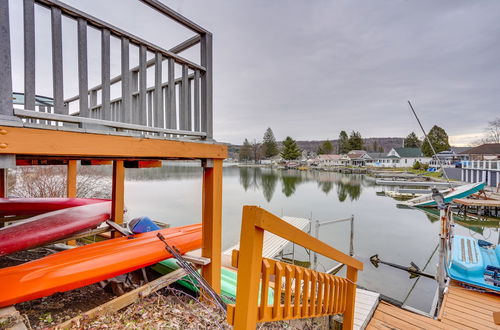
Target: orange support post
(71, 186)
(212, 221)
(352, 276)
(118, 191)
(71, 179)
(247, 296)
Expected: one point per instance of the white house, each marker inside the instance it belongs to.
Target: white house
(328, 160)
(408, 156)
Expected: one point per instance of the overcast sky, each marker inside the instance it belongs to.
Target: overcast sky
(309, 69)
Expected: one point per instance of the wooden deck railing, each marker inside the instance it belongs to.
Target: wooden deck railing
(173, 106)
(298, 292)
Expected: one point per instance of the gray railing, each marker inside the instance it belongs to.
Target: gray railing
(152, 110)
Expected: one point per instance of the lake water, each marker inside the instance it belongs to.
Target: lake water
(172, 194)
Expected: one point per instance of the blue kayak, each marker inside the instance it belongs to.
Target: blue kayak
(475, 262)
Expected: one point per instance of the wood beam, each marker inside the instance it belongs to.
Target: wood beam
(30, 141)
(212, 222)
(118, 191)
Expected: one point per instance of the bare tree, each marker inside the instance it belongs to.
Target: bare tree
(493, 131)
(50, 181)
(256, 151)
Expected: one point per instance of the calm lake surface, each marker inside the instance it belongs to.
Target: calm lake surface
(172, 195)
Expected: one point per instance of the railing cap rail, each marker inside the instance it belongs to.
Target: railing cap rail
(268, 221)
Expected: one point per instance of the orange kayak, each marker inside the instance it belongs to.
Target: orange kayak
(92, 263)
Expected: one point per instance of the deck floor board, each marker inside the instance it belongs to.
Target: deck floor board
(462, 309)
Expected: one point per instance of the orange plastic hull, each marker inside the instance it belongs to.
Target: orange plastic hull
(92, 263)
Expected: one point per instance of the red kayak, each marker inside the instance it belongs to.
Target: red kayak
(52, 226)
(34, 206)
(92, 263)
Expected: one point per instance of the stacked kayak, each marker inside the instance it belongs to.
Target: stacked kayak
(475, 262)
(229, 280)
(34, 206)
(48, 227)
(92, 263)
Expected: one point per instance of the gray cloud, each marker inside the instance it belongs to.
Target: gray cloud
(312, 68)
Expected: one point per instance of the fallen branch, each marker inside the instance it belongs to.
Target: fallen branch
(127, 299)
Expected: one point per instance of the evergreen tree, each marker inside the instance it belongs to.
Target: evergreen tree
(375, 146)
(439, 139)
(343, 143)
(245, 152)
(290, 149)
(325, 148)
(355, 141)
(269, 145)
(412, 141)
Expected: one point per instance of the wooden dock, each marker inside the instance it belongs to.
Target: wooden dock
(388, 316)
(437, 184)
(273, 244)
(477, 202)
(366, 303)
(467, 309)
(461, 309)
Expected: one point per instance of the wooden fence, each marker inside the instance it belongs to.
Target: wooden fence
(298, 292)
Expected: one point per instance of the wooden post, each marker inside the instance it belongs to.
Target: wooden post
(71, 179)
(3, 183)
(71, 186)
(249, 269)
(352, 276)
(117, 204)
(212, 221)
(3, 187)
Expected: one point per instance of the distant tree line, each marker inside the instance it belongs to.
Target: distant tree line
(269, 148)
(289, 149)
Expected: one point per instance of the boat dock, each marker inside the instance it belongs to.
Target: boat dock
(477, 202)
(437, 184)
(273, 244)
(461, 309)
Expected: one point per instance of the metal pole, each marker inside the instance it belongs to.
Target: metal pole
(316, 234)
(351, 240)
(440, 276)
(432, 147)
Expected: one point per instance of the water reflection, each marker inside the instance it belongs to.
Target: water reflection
(349, 187)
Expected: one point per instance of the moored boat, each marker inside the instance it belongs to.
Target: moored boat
(229, 279)
(92, 263)
(474, 262)
(449, 194)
